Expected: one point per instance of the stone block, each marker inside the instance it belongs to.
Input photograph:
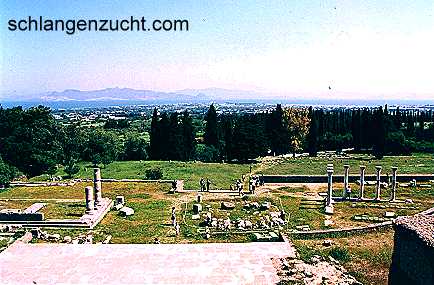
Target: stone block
(265, 206)
(329, 210)
(126, 211)
(197, 208)
(389, 214)
(120, 200)
(179, 185)
(117, 207)
(257, 237)
(273, 236)
(227, 206)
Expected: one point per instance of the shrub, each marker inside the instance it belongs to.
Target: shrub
(154, 173)
(396, 144)
(340, 253)
(7, 173)
(206, 153)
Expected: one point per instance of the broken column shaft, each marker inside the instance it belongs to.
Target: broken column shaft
(378, 185)
(346, 173)
(393, 194)
(362, 181)
(329, 185)
(89, 199)
(97, 186)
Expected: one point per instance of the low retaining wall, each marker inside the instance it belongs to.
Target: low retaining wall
(7, 217)
(344, 231)
(179, 183)
(340, 178)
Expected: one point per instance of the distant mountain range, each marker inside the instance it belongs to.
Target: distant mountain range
(127, 96)
(109, 94)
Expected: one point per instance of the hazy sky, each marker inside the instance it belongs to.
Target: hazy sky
(372, 47)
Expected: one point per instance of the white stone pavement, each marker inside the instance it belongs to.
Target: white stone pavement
(222, 263)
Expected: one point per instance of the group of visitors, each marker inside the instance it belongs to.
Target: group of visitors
(205, 184)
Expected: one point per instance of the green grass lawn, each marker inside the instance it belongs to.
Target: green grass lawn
(222, 175)
(367, 257)
(417, 163)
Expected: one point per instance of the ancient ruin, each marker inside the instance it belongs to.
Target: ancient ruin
(96, 207)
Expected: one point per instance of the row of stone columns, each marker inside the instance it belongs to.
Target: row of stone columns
(94, 198)
(378, 168)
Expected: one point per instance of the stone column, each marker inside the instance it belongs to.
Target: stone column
(346, 172)
(362, 181)
(393, 194)
(89, 199)
(378, 186)
(330, 185)
(97, 186)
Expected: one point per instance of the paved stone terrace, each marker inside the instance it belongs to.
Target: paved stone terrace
(222, 263)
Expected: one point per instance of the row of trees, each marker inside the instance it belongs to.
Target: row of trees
(382, 131)
(171, 137)
(32, 142)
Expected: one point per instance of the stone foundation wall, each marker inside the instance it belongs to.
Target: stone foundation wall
(413, 252)
(340, 178)
(21, 217)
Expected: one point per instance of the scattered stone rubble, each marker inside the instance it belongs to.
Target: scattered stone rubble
(267, 221)
(317, 271)
(83, 238)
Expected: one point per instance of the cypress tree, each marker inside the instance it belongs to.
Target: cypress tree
(163, 135)
(175, 141)
(154, 143)
(356, 129)
(211, 132)
(277, 131)
(380, 134)
(188, 136)
(312, 136)
(410, 125)
(421, 129)
(397, 119)
(227, 127)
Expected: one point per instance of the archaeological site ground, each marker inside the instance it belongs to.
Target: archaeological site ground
(279, 220)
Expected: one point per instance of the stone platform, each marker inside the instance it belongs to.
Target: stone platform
(88, 221)
(222, 263)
